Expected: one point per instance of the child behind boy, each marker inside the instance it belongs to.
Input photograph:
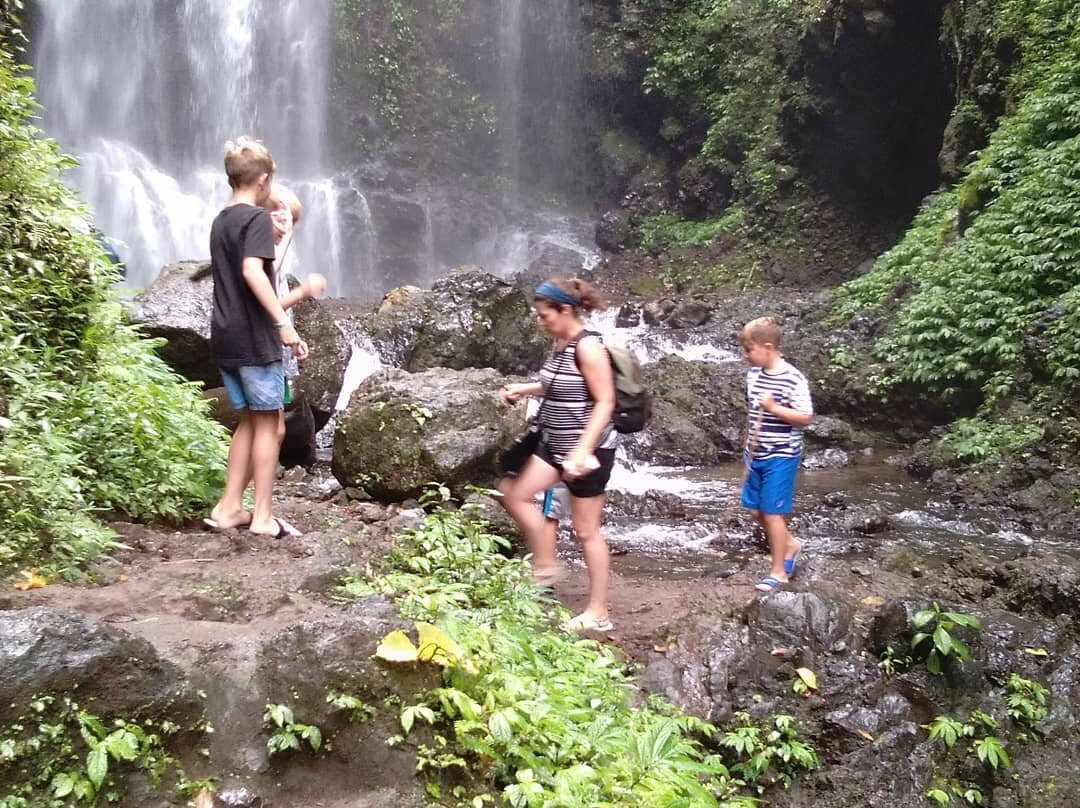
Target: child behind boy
(779, 406)
(248, 327)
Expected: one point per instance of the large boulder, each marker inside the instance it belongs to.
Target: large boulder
(47, 650)
(698, 413)
(177, 307)
(402, 431)
(323, 372)
(468, 319)
(474, 319)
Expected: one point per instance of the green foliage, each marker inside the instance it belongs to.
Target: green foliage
(90, 418)
(286, 733)
(1025, 700)
(725, 62)
(935, 639)
(381, 55)
(984, 264)
(767, 755)
(543, 715)
(979, 439)
(359, 710)
(60, 755)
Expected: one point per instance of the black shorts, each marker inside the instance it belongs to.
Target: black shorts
(593, 483)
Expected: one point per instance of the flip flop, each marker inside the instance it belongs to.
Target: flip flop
(789, 563)
(212, 524)
(768, 584)
(588, 622)
(283, 529)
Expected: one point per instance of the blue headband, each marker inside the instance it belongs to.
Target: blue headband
(552, 292)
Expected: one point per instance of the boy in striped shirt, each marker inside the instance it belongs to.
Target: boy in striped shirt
(779, 406)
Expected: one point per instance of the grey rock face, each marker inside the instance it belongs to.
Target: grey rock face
(177, 307)
(402, 431)
(53, 650)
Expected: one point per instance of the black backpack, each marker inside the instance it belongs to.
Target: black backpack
(633, 403)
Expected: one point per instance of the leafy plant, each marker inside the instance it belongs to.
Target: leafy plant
(1025, 700)
(935, 638)
(286, 732)
(766, 755)
(65, 755)
(359, 710)
(890, 663)
(541, 716)
(90, 418)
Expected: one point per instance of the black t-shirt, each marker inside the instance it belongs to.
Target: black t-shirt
(241, 331)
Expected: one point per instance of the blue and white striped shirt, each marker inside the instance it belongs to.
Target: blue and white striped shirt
(789, 388)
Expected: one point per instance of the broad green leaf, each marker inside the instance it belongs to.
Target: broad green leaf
(97, 765)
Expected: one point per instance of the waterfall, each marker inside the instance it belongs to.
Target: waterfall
(540, 94)
(146, 94)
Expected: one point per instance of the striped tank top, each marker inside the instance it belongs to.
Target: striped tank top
(789, 388)
(567, 405)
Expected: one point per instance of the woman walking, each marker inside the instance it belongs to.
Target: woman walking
(577, 441)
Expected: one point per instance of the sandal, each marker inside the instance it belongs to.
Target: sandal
(768, 583)
(283, 529)
(789, 563)
(588, 622)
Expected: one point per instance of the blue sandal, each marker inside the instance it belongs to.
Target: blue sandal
(768, 584)
(789, 563)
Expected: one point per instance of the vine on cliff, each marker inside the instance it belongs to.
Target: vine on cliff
(989, 274)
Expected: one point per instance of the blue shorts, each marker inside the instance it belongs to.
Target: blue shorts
(770, 485)
(260, 388)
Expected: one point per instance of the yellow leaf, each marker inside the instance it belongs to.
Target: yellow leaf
(33, 581)
(808, 676)
(873, 600)
(397, 647)
(436, 645)
(862, 733)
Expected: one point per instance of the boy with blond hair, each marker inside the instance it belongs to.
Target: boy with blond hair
(248, 328)
(779, 406)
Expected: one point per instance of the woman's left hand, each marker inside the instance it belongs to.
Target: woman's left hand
(577, 464)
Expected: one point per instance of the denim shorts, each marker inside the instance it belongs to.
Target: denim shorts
(260, 388)
(770, 485)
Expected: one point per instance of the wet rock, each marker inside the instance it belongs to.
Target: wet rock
(689, 314)
(657, 311)
(298, 446)
(615, 231)
(868, 524)
(47, 650)
(698, 413)
(805, 620)
(826, 430)
(238, 798)
(473, 319)
(828, 459)
(177, 307)
(393, 327)
(370, 511)
(650, 505)
(322, 373)
(628, 316)
(1047, 583)
(402, 431)
(489, 509)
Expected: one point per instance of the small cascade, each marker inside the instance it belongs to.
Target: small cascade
(652, 344)
(363, 362)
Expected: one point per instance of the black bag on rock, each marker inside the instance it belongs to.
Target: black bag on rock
(513, 458)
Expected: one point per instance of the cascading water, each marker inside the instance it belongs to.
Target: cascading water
(146, 94)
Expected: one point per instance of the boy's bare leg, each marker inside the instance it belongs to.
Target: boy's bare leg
(269, 429)
(229, 511)
(587, 512)
(776, 531)
(518, 497)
